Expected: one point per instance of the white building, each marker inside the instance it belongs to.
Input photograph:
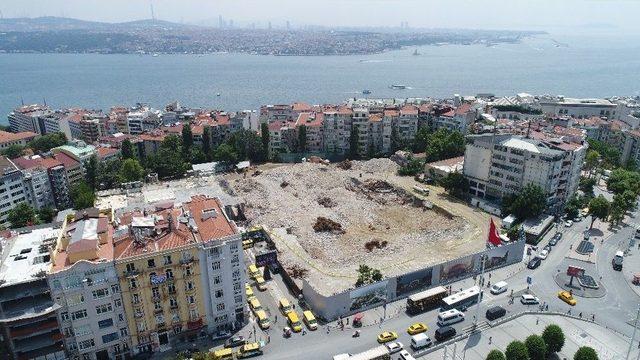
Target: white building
(38, 188)
(11, 188)
(27, 118)
(580, 108)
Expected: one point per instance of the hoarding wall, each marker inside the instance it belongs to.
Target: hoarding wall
(366, 297)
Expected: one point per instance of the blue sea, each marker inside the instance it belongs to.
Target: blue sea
(579, 66)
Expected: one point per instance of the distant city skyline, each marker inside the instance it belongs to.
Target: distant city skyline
(567, 15)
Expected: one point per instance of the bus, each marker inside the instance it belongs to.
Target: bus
(425, 300)
(462, 299)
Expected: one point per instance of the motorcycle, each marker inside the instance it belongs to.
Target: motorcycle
(356, 334)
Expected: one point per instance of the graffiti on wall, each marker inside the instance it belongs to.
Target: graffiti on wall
(369, 295)
(456, 269)
(413, 281)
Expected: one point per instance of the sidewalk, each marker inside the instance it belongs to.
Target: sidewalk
(608, 344)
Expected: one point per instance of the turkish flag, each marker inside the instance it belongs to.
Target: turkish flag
(494, 236)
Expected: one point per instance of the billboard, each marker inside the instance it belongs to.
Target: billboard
(368, 296)
(575, 271)
(413, 281)
(496, 257)
(456, 269)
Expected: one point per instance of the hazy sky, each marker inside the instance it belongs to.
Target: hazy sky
(483, 14)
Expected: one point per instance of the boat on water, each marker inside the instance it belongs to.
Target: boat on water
(398, 87)
(366, 91)
(155, 55)
(217, 94)
(415, 52)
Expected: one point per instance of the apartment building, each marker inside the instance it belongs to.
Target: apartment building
(57, 178)
(337, 130)
(29, 327)
(85, 286)
(458, 118)
(11, 188)
(501, 165)
(360, 124)
(157, 262)
(282, 137)
(78, 150)
(407, 123)
(28, 118)
(579, 108)
(118, 114)
(313, 125)
(74, 171)
(92, 129)
(221, 265)
(38, 188)
(22, 138)
(142, 119)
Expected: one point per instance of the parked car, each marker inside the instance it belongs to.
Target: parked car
(420, 341)
(534, 263)
(404, 355)
(387, 336)
(568, 223)
(394, 347)
(548, 248)
(543, 254)
(235, 341)
(555, 239)
(528, 299)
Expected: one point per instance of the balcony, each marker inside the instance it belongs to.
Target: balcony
(138, 315)
(158, 311)
(173, 307)
(187, 260)
(131, 273)
(190, 291)
(34, 329)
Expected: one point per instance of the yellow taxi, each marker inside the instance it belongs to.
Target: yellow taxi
(260, 283)
(294, 321)
(247, 244)
(248, 291)
(253, 271)
(387, 336)
(567, 297)
(223, 354)
(417, 328)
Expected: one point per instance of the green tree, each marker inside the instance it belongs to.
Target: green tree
(572, 207)
(353, 144)
(395, 142)
(367, 275)
(585, 353)
(516, 350)
(187, 141)
(47, 142)
(13, 151)
(46, 215)
(591, 161)
(554, 338)
(617, 213)
(302, 138)
(529, 202)
(421, 139)
(21, 215)
(610, 155)
(495, 355)
(91, 171)
(226, 154)
(206, 142)
(247, 145)
(127, 149)
(536, 347)
(82, 196)
(413, 167)
(599, 209)
(131, 170)
(168, 162)
(108, 174)
(622, 180)
(456, 184)
(264, 137)
(197, 155)
(444, 144)
(586, 185)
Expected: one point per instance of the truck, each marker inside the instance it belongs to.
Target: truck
(617, 261)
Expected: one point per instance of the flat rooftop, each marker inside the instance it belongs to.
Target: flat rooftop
(25, 255)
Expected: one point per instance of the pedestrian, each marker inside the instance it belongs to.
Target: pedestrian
(268, 338)
(276, 318)
(490, 339)
(537, 321)
(547, 307)
(593, 317)
(347, 321)
(580, 315)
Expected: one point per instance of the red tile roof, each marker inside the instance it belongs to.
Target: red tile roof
(104, 152)
(214, 227)
(66, 160)
(6, 136)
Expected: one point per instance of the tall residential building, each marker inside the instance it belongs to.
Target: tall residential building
(85, 287)
(38, 188)
(28, 324)
(143, 119)
(579, 108)
(337, 130)
(57, 175)
(313, 124)
(459, 118)
(501, 165)
(11, 188)
(28, 118)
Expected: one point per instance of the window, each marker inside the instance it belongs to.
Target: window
(157, 305)
(151, 263)
(124, 332)
(193, 314)
(171, 289)
(75, 299)
(159, 319)
(86, 344)
(120, 317)
(173, 302)
(64, 316)
(117, 303)
(235, 258)
(175, 317)
(187, 270)
(190, 285)
(68, 332)
(115, 288)
(237, 286)
(234, 246)
(220, 307)
(236, 274)
(100, 293)
(136, 299)
(101, 309)
(155, 291)
(219, 293)
(105, 323)
(217, 279)
(109, 337)
(169, 274)
(215, 265)
(131, 267)
(191, 299)
(133, 283)
(167, 259)
(81, 314)
(238, 299)
(141, 326)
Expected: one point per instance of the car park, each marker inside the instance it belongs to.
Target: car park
(417, 328)
(528, 299)
(387, 336)
(394, 347)
(567, 297)
(534, 263)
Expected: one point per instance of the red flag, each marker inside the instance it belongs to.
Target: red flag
(494, 236)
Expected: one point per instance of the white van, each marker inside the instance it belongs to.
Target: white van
(420, 341)
(499, 287)
(341, 356)
(404, 355)
(450, 317)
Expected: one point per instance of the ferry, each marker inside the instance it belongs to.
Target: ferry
(366, 91)
(398, 87)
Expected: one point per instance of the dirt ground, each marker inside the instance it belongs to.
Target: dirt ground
(381, 221)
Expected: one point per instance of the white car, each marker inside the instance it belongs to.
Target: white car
(527, 299)
(543, 254)
(568, 223)
(394, 347)
(404, 355)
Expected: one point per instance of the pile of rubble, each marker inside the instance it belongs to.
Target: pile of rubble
(327, 225)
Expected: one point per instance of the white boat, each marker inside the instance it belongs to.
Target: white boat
(398, 87)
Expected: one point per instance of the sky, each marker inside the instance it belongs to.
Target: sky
(567, 15)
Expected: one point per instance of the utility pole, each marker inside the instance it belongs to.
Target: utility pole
(633, 337)
(475, 320)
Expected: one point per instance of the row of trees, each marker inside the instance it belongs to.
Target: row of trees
(537, 347)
